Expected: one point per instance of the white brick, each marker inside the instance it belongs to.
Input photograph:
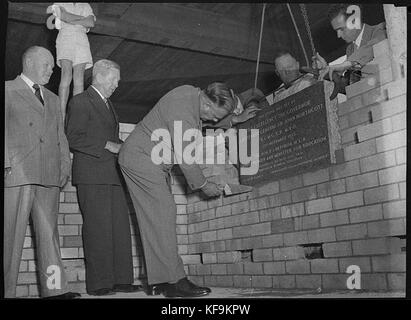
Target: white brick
(403, 190)
(353, 231)
(321, 235)
(362, 181)
(389, 108)
(27, 242)
(293, 210)
(378, 161)
(396, 88)
(69, 253)
(349, 135)
(319, 205)
(375, 129)
(366, 213)
(392, 141)
(370, 82)
(390, 263)
(359, 150)
(363, 262)
(399, 121)
(73, 219)
(191, 258)
(381, 194)
(69, 208)
(393, 174)
(375, 65)
(348, 200)
(350, 105)
(395, 209)
(391, 227)
(68, 230)
(334, 218)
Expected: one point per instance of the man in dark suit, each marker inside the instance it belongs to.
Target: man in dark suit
(148, 179)
(360, 38)
(36, 164)
(92, 130)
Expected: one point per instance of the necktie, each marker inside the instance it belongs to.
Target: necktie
(110, 109)
(36, 87)
(107, 105)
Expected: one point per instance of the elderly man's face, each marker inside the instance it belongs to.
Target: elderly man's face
(287, 68)
(339, 24)
(109, 82)
(211, 112)
(41, 66)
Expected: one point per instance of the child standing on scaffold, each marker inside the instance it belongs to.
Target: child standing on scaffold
(73, 20)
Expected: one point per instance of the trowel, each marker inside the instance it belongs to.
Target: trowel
(233, 189)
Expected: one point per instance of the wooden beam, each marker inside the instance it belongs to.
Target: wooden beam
(171, 25)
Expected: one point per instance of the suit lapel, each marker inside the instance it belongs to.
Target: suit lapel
(49, 115)
(366, 36)
(24, 91)
(100, 106)
(113, 111)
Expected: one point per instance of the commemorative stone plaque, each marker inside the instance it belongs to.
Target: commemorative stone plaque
(296, 135)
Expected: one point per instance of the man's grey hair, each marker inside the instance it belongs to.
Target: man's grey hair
(103, 66)
(32, 51)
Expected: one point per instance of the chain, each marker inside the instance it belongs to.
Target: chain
(307, 26)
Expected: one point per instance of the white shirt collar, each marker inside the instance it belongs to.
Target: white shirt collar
(102, 97)
(359, 38)
(30, 83)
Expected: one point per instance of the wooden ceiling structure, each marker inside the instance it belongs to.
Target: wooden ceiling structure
(160, 46)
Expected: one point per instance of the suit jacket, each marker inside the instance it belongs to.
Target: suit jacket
(36, 147)
(371, 36)
(90, 124)
(180, 104)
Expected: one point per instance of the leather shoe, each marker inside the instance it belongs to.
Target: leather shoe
(155, 289)
(64, 296)
(101, 292)
(184, 288)
(194, 286)
(126, 288)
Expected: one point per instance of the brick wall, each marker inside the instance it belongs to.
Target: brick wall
(304, 231)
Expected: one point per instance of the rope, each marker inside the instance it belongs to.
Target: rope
(259, 47)
(307, 26)
(298, 34)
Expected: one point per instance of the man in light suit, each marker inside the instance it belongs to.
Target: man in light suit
(149, 182)
(36, 164)
(92, 131)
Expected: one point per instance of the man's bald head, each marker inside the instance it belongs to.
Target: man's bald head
(286, 66)
(38, 64)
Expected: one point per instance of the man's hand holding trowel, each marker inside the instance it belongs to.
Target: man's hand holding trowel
(212, 189)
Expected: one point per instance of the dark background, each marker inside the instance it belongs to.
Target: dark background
(174, 49)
